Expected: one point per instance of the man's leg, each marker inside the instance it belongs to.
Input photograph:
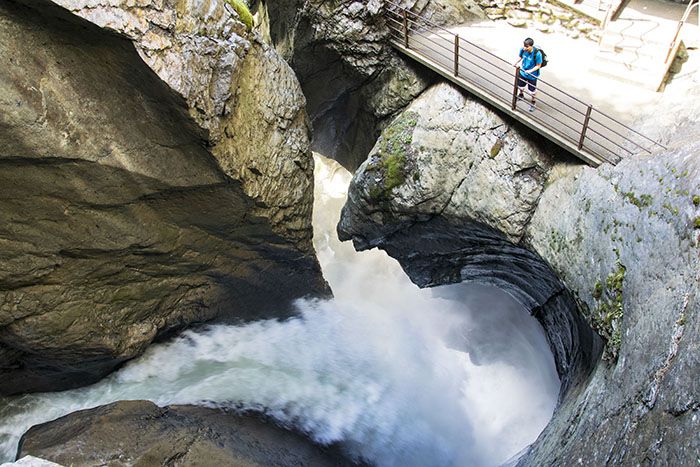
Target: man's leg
(532, 88)
(521, 87)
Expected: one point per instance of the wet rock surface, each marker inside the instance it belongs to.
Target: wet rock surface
(118, 226)
(141, 433)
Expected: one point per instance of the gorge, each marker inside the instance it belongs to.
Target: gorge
(357, 370)
(158, 176)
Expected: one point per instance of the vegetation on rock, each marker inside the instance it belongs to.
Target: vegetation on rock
(642, 201)
(394, 145)
(243, 12)
(496, 148)
(607, 318)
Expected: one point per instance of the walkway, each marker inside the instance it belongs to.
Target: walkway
(639, 47)
(578, 127)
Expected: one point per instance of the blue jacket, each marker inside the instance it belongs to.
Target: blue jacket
(530, 59)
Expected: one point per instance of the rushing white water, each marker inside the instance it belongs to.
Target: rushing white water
(453, 376)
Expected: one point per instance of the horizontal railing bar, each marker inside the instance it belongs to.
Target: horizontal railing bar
(399, 22)
(617, 145)
(554, 129)
(630, 129)
(542, 91)
(389, 2)
(543, 105)
(468, 71)
(427, 46)
(574, 131)
(591, 145)
(603, 152)
(502, 78)
(424, 24)
(399, 28)
(448, 49)
(620, 135)
(605, 143)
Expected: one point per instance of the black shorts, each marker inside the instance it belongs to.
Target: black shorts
(530, 80)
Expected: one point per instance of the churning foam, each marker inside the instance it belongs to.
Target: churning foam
(453, 376)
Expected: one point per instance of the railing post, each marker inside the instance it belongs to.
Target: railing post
(457, 55)
(515, 87)
(673, 42)
(585, 127)
(618, 11)
(405, 28)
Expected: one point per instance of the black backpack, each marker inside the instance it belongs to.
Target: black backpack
(544, 56)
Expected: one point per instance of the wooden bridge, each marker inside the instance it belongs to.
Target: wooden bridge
(574, 125)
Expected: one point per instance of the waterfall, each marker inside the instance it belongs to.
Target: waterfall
(451, 376)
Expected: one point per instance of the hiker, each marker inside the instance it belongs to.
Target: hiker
(530, 63)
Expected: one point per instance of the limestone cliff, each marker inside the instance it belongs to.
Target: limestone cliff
(455, 193)
(625, 240)
(352, 80)
(448, 190)
(237, 88)
(448, 155)
(117, 223)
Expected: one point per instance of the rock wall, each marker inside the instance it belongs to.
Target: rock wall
(117, 223)
(140, 433)
(451, 157)
(547, 17)
(237, 88)
(456, 193)
(353, 81)
(448, 191)
(625, 241)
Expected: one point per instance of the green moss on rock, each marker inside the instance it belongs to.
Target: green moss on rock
(394, 148)
(243, 12)
(607, 317)
(597, 290)
(496, 148)
(642, 201)
(672, 209)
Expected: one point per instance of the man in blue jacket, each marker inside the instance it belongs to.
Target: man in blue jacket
(530, 62)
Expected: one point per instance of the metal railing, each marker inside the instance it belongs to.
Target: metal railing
(671, 48)
(566, 117)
